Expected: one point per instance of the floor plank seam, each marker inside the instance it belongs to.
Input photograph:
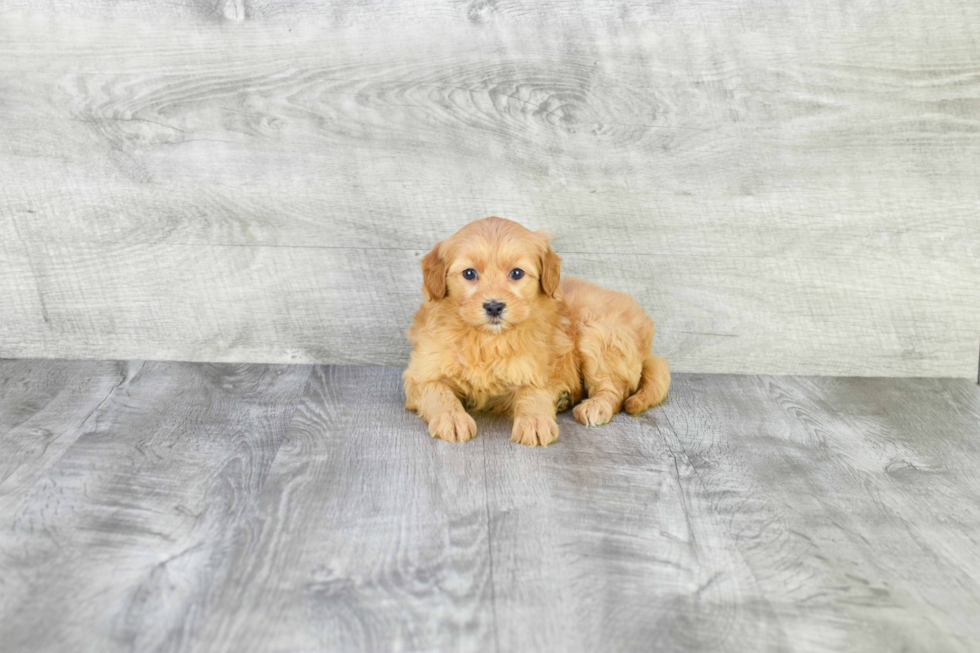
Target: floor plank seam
(288, 427)
(111, 393)
(493, 594)
(83, 422)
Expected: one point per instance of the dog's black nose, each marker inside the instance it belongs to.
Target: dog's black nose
(493, 307)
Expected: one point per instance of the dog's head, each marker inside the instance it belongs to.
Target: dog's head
(494, 271)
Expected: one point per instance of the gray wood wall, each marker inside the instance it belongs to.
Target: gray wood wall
(787, 186)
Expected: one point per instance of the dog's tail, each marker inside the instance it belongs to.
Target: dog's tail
(654, 383)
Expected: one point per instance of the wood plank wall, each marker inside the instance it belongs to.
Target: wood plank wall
(787, 186)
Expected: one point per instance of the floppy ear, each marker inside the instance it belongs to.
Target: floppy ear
(434, 273)
(550, 268)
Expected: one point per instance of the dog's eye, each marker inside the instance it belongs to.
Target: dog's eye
(469, 274)
(516, 274)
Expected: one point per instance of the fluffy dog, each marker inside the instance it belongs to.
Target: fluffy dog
(501, 330)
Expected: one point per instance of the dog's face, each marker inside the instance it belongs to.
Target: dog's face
(493, 271)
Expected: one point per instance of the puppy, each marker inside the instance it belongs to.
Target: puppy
(501, 330)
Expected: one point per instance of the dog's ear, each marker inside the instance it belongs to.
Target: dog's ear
(550, 267)
(434, 273)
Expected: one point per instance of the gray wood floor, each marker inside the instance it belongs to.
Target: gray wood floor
(193, 507)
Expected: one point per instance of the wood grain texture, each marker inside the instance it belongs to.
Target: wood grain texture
(608, 542)
(44, 408)
(253, 508)
(120, 543)
(365, 539)
(786, 187)
(853, 501)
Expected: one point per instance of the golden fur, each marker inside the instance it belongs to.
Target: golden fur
(558, 338)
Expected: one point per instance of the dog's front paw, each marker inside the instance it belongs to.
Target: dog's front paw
(452, 426)
(532, 430)
(592, 412)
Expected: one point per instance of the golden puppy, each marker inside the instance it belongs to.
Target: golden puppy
(501, 330)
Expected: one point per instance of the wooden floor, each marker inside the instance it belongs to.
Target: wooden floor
(192, 507)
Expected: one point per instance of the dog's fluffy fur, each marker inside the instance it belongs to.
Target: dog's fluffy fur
(557, 339)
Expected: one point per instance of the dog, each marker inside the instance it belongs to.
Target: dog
(500, 329)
